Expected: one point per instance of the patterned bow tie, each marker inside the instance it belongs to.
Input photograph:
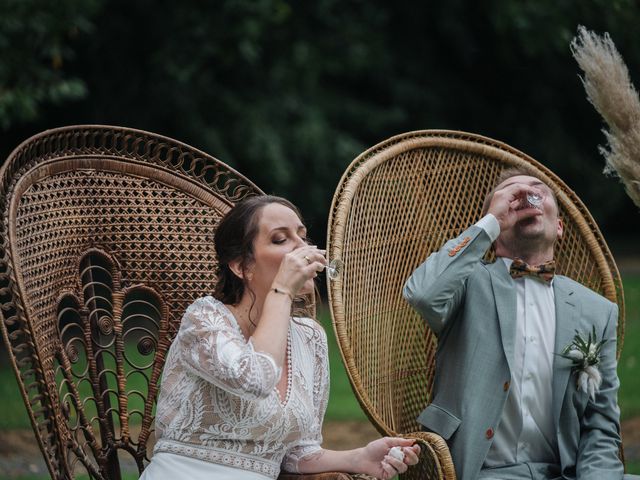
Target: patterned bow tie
(543, 272)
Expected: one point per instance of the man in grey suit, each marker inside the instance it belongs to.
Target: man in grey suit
(506, 402)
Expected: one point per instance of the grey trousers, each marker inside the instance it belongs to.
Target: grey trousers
(529, 471)
(522, 471)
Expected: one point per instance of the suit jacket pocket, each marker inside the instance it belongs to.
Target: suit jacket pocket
(439, 420)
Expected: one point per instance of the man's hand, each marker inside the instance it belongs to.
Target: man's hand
(509, 205)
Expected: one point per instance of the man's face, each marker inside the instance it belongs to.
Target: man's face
(542, 228)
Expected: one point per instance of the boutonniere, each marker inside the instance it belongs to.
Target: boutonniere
(585, 357)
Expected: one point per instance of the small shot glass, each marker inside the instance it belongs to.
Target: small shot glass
(397, 453)
(534, 198)
(334, 268)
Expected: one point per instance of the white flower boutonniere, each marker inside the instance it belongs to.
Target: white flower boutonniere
(585, 355)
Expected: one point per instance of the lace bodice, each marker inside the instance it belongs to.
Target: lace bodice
(218, 400)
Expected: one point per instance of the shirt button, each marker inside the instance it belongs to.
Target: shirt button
(489, 433)
(505, 386)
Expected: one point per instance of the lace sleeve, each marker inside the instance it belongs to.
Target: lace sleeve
(310, 441)
(212, 348)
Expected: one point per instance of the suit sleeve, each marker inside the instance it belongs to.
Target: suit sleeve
(600, 430)
(436, 288)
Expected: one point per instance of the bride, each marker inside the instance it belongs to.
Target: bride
(245, 385)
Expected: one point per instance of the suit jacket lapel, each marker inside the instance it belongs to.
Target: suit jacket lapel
(505, 298)
(566, 325)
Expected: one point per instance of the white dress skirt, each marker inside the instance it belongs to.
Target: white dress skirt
(169, 466)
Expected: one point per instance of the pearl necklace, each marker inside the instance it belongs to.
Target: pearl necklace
(289, 371)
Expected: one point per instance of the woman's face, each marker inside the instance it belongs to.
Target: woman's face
(280, 231)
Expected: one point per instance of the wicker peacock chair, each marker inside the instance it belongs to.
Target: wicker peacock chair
(106, 239)
(396, 203)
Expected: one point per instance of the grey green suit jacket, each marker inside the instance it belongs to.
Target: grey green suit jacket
(471, 307)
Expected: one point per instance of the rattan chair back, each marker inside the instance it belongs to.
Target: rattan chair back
(107, 237)
(395, 204)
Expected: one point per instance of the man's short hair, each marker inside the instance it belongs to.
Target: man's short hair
(506, 174)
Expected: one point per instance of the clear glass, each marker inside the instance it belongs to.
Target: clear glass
(334, 268)
(535, 199)
(397, 453)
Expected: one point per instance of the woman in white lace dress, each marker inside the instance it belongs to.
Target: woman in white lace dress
(245, 385)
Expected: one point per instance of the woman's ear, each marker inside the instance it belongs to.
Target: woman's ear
(237, 270)
(244, 274)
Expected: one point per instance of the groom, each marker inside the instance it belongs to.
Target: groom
(506, 403)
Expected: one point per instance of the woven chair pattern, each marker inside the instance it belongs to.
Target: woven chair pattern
(396, 203)
(107, 237)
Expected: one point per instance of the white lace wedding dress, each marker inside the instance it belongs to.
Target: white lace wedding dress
(219, 411)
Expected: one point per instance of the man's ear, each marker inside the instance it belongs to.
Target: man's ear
(560, 229)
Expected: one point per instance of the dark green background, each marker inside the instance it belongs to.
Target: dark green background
(290, 92)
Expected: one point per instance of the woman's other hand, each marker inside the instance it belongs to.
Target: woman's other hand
(375, 459)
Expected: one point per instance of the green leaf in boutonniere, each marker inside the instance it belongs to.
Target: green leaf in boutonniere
(585, 357)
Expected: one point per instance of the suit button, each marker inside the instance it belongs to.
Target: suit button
(506, 386)
(489, 433)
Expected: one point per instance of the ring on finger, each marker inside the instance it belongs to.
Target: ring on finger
(306, 257)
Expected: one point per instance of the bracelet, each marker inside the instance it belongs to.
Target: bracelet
(283, 292)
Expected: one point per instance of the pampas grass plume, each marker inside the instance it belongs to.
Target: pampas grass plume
(609, 88)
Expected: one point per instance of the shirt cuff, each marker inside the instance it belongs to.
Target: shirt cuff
(489, 224)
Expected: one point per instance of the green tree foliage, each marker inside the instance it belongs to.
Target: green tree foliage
(289, 92)
(35, 38)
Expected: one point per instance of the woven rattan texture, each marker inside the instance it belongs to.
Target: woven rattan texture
(159, 237)
(395, 204)
(107, 237)
(133, 145)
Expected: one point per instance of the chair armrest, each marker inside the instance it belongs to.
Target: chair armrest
(435, 458)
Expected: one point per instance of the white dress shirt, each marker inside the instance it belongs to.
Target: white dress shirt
(525, 432)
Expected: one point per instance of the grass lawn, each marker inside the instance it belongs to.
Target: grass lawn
(14, 415)
(629, 364)
(342, 401)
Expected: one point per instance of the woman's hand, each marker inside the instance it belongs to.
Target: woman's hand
(374, 459)
(299, 266)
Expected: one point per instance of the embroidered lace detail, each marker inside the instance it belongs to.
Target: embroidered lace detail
(219, 402)
(223, 457)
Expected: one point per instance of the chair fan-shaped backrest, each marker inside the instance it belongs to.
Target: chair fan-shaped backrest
(398, 202)
(107, 237)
